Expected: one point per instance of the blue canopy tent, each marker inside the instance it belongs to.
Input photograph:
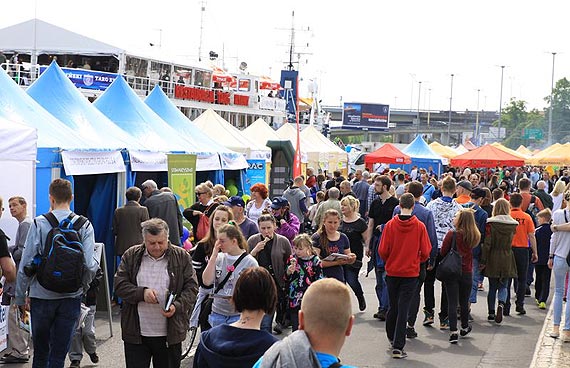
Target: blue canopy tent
(98, 190)
(209, 151)
(422, 156)
(53, 137)
(125, 108)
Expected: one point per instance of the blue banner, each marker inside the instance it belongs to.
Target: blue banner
(87, 79)
(359, 115)
(255, 174)
(289, 79)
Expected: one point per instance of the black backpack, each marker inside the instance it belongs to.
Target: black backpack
(533, 210)
(62, 263)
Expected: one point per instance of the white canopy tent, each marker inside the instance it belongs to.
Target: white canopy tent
(17, 169)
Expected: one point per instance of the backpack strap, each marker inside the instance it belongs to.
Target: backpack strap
(78, 224)
(50, 217)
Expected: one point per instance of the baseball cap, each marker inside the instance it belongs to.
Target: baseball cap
(235, 201)
(466, 185)
(279, 202)
(478, 193)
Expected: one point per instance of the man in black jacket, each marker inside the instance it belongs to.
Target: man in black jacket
(163, 205)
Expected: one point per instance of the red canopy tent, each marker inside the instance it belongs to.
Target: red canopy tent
(387, 154)
(486, 156)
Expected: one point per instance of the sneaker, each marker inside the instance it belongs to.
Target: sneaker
(491, 317)
(500, 312)
(411, 332)
(381, 315)
(542, 305)
(361, 303)
(565, 337)
(399, 354)
(555, 332)
(465, 331)
(428, 319)
(453, 337)
(75, 364)
(520, 309)
(444, 325)
(10, 359)
(94, 358)
(278, 329)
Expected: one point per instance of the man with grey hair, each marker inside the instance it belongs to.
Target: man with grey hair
(332, 203)
(297, 198)
(345, 189)
(163, 205)
(360, 189)
(158, 286)
(541, 194)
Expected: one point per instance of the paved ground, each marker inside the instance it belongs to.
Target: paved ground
(511, 344)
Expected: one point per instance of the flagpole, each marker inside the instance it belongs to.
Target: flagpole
(297, 160)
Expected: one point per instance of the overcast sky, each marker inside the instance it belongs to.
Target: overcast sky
(362, 50)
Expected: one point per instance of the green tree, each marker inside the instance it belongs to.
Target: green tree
(515, 118)
(560, 111)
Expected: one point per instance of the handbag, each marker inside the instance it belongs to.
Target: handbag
(203, 224)
(206, 306)
(450, 266)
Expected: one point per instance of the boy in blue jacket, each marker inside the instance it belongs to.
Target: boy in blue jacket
(542, 272)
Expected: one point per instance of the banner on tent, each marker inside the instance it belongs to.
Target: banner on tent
(92, 162)
(182, 178)
(255, 174)
(148, 161)
(88, 79)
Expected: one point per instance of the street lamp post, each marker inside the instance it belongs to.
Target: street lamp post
(550, 109)
(449, 117)
(501, 100)
(477, 118)
(418, 114)
(429, 106)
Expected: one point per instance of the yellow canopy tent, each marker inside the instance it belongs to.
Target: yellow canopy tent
(511, 151)
(442, 150)
(534, 160)
(559, 156)
(525, 151)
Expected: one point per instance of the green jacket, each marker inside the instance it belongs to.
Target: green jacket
(497, 254)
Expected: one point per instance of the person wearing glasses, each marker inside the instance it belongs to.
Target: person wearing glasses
(204, 206)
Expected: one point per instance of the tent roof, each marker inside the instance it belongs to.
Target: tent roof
(261, 131)
(57, 94)
(558, 156)
(200, 143)
(443, 151)
(525, 151)
(487, 156)
(311, 134)
(229, 136)
(469, 145)
(544, 153)
(288, 132)
(17, 106)
(387, 154)
(19, 142)
(43, 37)
(419, 149)
(123, 107)
(508, 150)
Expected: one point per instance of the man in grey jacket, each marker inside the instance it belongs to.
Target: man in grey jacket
(163, 205)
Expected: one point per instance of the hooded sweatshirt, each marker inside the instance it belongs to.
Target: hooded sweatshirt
(403, 246)
(227, 346)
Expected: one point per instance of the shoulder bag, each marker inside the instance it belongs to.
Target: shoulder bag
(206, 306)
(450, 266)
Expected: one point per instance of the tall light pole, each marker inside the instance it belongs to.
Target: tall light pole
(477, 118)
(449, 117)
(418, 115)
(429, 106)
(501, 99)
(413, 76)
(550, 109)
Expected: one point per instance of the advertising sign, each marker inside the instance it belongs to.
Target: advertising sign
(361, 115)
(92, 162)
(88, 79)
(182, 178)
(255, 174)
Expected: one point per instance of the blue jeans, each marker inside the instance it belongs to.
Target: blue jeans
(53, 323)
(560, 269)
(475, 282)
(381, 289)
(497, 288)
(216, 319)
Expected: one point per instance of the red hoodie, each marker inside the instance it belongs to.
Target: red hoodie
(403, 246)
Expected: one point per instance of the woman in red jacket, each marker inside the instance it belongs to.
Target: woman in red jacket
(467, 237)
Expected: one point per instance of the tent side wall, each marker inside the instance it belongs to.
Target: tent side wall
(48, 159)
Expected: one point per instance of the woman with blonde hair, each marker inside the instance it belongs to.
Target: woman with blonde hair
(205, 206)
(497, 259)
(558, 195)
(463, 239)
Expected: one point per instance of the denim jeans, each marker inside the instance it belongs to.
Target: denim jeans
(400, 291)
(458, 291)
(351, 277)
(475, 281)
(381, 289)
(521, 260)
(53, 323)
(429, 291)
(560, 269)
(497, 289)
(216, 319)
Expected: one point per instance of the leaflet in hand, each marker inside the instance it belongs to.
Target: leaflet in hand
(335, 256)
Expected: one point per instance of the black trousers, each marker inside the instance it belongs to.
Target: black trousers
(459, 291)
(429, 291)
(542, 282)
(521, 260)
(415, 305)
(400, 292)
(155, 348)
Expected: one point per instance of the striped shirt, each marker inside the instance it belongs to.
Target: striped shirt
(153, 274)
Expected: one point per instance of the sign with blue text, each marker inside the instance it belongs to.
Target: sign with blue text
(88, 79)
(357, 115)
(255, 174)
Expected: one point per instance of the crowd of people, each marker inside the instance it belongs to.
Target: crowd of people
(256, 268)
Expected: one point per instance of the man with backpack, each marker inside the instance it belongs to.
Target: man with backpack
(55, 287)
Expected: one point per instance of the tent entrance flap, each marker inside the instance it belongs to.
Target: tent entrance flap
(282, 153)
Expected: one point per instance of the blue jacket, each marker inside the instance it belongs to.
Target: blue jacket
(425, 216)
(481, 221)
(543, 234)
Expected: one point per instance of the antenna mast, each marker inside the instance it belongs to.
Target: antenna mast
(202, 11)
